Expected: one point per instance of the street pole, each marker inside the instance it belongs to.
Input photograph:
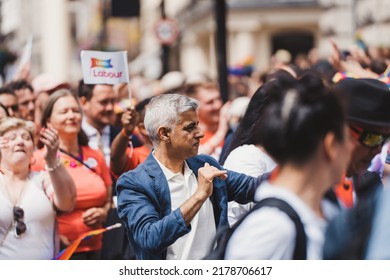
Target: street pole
(220, 15)
(353, 17)
(103, 33)
(164, 47)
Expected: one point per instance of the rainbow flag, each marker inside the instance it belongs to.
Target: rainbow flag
(343, 75)
(102, 63)
(66, 253)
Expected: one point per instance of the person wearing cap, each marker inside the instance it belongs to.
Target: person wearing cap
(368, 102)
(347, 235)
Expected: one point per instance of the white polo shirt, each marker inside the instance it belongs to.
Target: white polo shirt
(196, 244)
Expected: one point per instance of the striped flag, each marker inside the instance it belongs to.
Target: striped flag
(66, 253)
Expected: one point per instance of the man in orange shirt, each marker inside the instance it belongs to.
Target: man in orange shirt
(124, 156)
(212, 116)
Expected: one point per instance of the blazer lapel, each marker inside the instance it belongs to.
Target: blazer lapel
(160, 183)
(194, 164)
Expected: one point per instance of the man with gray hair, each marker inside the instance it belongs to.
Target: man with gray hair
(173, 203)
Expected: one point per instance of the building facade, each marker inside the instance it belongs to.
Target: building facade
(255, 28)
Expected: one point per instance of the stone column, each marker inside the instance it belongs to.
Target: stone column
(56, 38)
(193, 56)
(244, 42)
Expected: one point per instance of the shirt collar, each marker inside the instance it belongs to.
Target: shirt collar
(168, 173)
(92, 131)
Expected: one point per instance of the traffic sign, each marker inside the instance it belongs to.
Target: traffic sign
(166, 31)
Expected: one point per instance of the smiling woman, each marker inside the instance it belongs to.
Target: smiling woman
(87, 168)
(30, 199)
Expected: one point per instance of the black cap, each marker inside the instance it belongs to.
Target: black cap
(368, 101)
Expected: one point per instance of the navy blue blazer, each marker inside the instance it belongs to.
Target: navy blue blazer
(144, 204)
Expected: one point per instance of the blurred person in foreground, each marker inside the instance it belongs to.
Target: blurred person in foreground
(174, 202)
(30, 200)
(305, 132)
(378, 239)
(245, 153)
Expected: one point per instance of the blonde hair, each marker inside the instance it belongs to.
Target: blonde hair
(11, 123)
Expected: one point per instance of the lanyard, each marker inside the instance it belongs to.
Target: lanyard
(78, 158)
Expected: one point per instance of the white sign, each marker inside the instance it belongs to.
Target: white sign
(104, 67)
(26, 55)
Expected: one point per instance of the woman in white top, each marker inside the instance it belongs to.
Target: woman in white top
(29, 200)
(304, 130)
(245, 154)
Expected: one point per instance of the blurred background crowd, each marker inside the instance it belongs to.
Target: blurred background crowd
(172, 47)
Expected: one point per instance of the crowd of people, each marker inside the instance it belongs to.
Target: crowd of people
(177, 167)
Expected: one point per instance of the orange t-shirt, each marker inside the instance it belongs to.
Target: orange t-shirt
(135, 156)
(207, 136)
(91, 190)
(344, 192)
(217, 150)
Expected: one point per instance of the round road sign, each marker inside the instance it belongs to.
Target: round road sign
(166, 31)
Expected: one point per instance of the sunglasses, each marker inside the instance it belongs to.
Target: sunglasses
(367, 138)
(14, 108)
(18, 218)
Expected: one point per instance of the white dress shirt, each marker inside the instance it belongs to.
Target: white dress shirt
(97, 140)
